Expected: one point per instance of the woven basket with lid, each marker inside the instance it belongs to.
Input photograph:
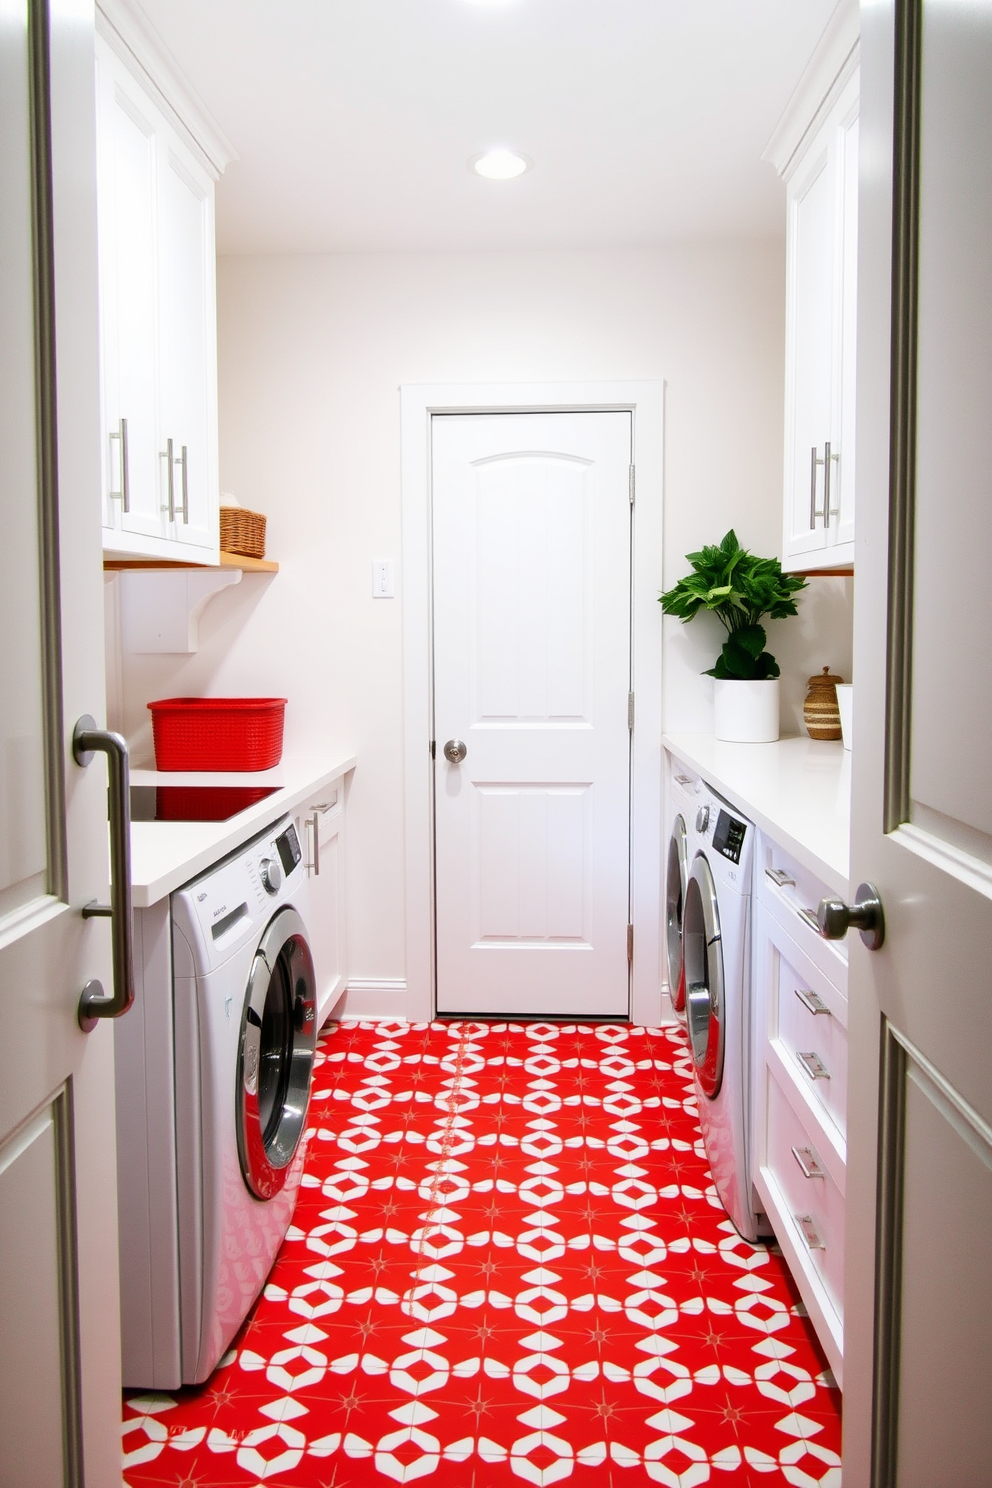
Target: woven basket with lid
(820, 709)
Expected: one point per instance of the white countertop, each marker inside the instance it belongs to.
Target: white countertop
(796, 790)
(165, 855)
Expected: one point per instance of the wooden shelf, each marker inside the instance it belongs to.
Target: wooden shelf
(227, 560)
(824, 573)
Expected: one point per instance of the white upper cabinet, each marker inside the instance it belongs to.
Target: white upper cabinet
(815, 149)
(158, 318)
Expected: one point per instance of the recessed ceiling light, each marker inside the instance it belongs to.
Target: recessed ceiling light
(499, 165)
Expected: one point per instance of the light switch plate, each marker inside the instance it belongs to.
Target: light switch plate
(382, 578)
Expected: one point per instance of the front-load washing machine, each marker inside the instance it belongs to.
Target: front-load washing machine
(685, 792)
(213, 1092)
(716, 940)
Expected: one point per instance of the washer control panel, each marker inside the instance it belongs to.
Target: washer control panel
(728, 836)
(240, 892)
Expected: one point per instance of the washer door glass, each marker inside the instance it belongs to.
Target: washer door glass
(675, 886)
(702, 951)
(278, 1039)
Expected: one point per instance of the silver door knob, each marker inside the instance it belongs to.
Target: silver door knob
(835, 918)
(455, 751)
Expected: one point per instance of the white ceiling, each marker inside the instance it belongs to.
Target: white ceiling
(354, 119)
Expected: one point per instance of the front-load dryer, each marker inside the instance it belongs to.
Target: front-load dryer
(221, 1096)
(716, 939)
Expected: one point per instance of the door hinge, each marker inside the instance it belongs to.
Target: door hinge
(630, 945)
(632, 484)
(433, 749)
(630, 710)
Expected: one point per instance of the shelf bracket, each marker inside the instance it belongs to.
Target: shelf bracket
(161, 608)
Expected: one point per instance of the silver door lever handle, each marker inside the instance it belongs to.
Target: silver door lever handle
(455, 751)
(87, 739)
(834, 917)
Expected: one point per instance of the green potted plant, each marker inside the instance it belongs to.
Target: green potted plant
(740, 590)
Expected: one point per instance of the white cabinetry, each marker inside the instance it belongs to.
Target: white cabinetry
(320, 824)
(158, 325)
(800, 1087)
(815, 150)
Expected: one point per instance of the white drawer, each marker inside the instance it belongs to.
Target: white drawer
(792, 894)
(802, 1176)
(806, 1020)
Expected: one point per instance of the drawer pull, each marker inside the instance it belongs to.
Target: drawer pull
(780, 878)
(811, 1002)
(808, 917)
(684, 779)
(808, 1161)
(808, 1231)
(813, 1065)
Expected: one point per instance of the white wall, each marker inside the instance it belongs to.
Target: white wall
(312, 353)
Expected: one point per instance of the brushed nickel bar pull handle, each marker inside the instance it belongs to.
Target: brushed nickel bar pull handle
(811, 1002)
(808, 1162)
(170, 480)
(780, 878)
(315, 843)
(813, 462)
(828, 510)
(808, 917)
(123, 494)
(826, 485)
(808, 1231)
(94, 1004)
(185, 487)
(813, 1065)
(125, 469)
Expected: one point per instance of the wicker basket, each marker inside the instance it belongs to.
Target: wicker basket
(242, 531)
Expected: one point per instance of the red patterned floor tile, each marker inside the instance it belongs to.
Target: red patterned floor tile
(507, 1264)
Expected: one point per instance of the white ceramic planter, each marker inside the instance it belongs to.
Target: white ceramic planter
(746, 712)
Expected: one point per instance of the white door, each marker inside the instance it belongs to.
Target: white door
(59, 1334)
(918, 1399)
(531, 619)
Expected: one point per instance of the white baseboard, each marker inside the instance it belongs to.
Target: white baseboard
(372, 997)
(366, 998)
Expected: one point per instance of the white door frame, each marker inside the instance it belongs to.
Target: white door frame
(645, 401)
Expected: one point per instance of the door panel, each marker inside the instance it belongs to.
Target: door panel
(920, 1134)
(946, 1313)
(188, 356)
(531, 532)
(23, 829)
(60, 1351)
(37, 1257)
(814, 212)
(128, 213)
(544, 834)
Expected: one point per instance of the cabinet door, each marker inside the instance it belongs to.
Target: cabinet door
(841, 527)
(812, 208)
(128, 126)
(321, 827)
(188, 355)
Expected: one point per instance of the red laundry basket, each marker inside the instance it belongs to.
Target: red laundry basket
(218, 733)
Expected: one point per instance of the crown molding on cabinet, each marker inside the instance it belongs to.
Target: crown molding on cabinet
(833, 62)
(128, 30)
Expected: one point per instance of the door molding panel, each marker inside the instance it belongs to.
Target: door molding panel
(645, 402)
